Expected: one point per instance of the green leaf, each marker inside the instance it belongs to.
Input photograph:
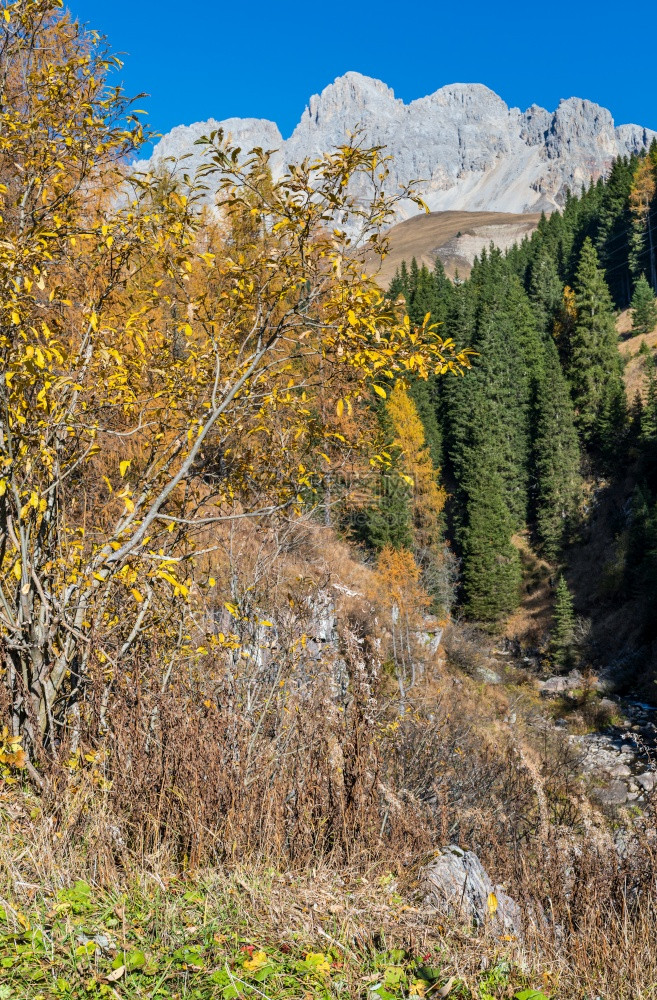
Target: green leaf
(134, 960)
(530, 995)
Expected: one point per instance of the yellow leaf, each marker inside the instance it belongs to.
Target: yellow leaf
(7, 16)
(492, 903)
(124, 466)
(380, 391)
(15, 317)
(340, 407)
(93, 319)
(137, 596)
(257, 961)
(212, 582)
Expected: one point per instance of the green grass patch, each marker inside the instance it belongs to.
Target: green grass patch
(184, 940)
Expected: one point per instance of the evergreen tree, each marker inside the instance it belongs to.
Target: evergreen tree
(644, 307)
(424, 394)
(595, 369)
(397, 286)
(491, 564)
(444, 291)
(614, 228)
(387, 522)
(423, 298)
(545, 290)
(562, 640)
(405, 281)
(556, 458)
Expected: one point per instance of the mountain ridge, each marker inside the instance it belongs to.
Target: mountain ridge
(466, 148)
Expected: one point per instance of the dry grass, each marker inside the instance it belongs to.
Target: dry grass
(629, 348)
(424, 235)
(293, 794)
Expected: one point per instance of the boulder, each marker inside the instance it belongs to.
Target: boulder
(648, 780)
(487, 675)
(614, 794)
(561, 685)
(456, 884)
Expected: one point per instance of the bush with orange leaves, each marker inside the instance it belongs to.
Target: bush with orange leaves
(406, 603)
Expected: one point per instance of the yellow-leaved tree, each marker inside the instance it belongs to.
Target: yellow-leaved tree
(162, 369)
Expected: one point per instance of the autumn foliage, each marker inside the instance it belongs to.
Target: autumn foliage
(168, 366)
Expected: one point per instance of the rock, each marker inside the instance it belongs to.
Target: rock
(614, 794)
(620, 771)
(648, 780)
(561, 684)
(487, 675)
(467, 147)
(456, 883)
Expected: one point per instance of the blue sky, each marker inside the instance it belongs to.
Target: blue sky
(207, 59)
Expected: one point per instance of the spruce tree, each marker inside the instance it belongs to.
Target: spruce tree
(388, 521)
(491, 564)
(594, 365)
(556, 457)
(562, 640)
(545, 290)
(444, 291)
(423, 298)
(644, 307)
(396, 287)
(614, 227)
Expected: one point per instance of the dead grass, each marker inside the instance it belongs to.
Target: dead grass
(423, 235)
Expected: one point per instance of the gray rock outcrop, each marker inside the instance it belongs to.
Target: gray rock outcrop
(456, 884)
(468, 149)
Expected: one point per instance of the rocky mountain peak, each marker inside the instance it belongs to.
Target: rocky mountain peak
(463, 144)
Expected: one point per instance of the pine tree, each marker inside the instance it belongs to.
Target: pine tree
(594, 365)
(562, 640)
(556, 458)
(644, 307)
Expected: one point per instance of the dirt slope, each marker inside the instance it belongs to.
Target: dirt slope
(455, 237)
(629, 348)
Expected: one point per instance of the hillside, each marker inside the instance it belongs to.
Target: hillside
(455, 238)
(324, 612)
